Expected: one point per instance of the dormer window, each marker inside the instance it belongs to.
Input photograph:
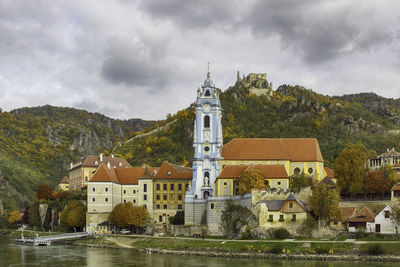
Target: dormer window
(206, 121)
(207, 93)
(169, 173)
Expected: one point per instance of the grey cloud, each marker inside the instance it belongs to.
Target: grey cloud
(133, 64)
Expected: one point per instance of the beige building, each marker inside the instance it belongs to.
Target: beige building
(342, 222)
(80, 173)
(64, 184)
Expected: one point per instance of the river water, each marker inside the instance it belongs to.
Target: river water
(70, 256)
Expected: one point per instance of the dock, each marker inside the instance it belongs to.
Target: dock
(48, 240)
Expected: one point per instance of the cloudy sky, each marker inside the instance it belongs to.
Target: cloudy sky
(146, 58)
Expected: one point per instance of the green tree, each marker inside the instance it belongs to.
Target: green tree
(324, 201)
(33, 211)
(249, 179)
(178, 219)
(74, 215)
(389, 173)
(125, 214)
(301, 180)
(350, 167)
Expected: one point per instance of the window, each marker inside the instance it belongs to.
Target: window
(165, 207)
(171, 187)
(293, 217)
(134, 191)
(165, 197)
(145, 206)
(281, 219)
(145, 188)
(179, 197)
(343, 223)
(207, 148)
(212, 206)
(270, 218)
(387, 214)
(164, 186)
(144, 197)
(94, 199)
(134, 201)
(158, 197)
(106, 189)
(179, 187)
(207, 93)
(290, 205)
(94, 189)
(158, 206)
(206, 121)
(310, 170)
(124, 200)
(335, 223)
(179, 206)
(158, 187)
(124, 191)
(225, 183)
(296, 170)
(160, 218)
(279, 183)
(106, 199)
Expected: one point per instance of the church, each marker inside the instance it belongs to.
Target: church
(216, 167)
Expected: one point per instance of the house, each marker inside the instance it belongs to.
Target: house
(63, 185)
(360, 219)
(104, 228)
(395, 191)
(384, 223)
(275, 176)
(389, 157)
(341, 222)
(288, 213)
(80, 173)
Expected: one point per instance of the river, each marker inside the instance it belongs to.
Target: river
(70, 256)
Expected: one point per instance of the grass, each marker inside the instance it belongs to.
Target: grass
(27, 233)
(389, 248)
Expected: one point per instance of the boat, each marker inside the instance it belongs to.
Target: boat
(32, 242)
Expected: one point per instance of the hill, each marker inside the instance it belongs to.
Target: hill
(37, 144)
(252, 109)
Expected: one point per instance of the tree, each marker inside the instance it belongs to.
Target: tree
(34, 218)
(44, 192)
(324, 201)
(298, 181)
(14, 217)
(178, 219)
(350, 167)
(395, 205)
(389, 173)
(249, 179)
(125, 214)
(74, 215)
(375, 182)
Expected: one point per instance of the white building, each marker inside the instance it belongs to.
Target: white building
(384, 223)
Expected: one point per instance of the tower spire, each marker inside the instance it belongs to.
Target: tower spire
(208, 70)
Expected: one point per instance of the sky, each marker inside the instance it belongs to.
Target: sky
(145, 59)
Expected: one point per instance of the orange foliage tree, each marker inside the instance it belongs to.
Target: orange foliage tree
(249, 179)
(125, 214)
(375, 182)
(44, 192)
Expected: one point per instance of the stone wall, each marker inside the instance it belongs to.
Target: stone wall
(94, 219)
(186, 230)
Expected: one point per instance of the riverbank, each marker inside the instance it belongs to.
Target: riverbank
(254, 249)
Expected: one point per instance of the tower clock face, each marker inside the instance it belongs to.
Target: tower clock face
(206, 107)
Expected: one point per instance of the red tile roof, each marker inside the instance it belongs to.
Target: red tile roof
(329, 172)
(364, 215)
(64, 180)
(294, 149)
(105, 174)
(396, 187)
(269, 171)
(172, 171)
(121, 175)
(90, 161)
(345, 213)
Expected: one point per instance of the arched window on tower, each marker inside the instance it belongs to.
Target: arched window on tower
(206, 121)
(207, 93)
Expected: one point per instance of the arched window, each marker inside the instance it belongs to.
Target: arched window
(207, 93)
(206, 121)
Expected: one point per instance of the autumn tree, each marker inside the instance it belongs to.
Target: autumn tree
(14, 217)
(249, 179)
(74, 215)
(350, 167)
(44, 192)
(324, 201)
(301, 180)
(375, 182)
(389, 173)
(125, 214)
(395, 205)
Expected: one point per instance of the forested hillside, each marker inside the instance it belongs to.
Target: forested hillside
(37, 144)
(291, 111)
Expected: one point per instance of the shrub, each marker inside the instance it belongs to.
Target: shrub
(375, 249)
(361, 233)
(281, 233)
(277, 248)
(322, 249)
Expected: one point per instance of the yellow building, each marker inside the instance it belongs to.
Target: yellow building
(294, 155)
(341, 222)
(169, 189)
(64, 184)
(80, 173)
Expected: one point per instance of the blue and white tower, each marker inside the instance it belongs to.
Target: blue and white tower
(207, 140)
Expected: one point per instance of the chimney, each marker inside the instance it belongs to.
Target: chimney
(108, 164)
(101, 157)
(71, 165)
(112, 156)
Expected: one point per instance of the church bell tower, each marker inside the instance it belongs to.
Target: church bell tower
(207, 141)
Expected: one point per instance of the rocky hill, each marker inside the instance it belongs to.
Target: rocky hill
(290, 111)
(37, 144)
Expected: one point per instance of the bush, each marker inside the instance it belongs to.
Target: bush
(178, 219)
(375, 249)
(322, 249)
(361, 233)
(281, 233)
(277, 248)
